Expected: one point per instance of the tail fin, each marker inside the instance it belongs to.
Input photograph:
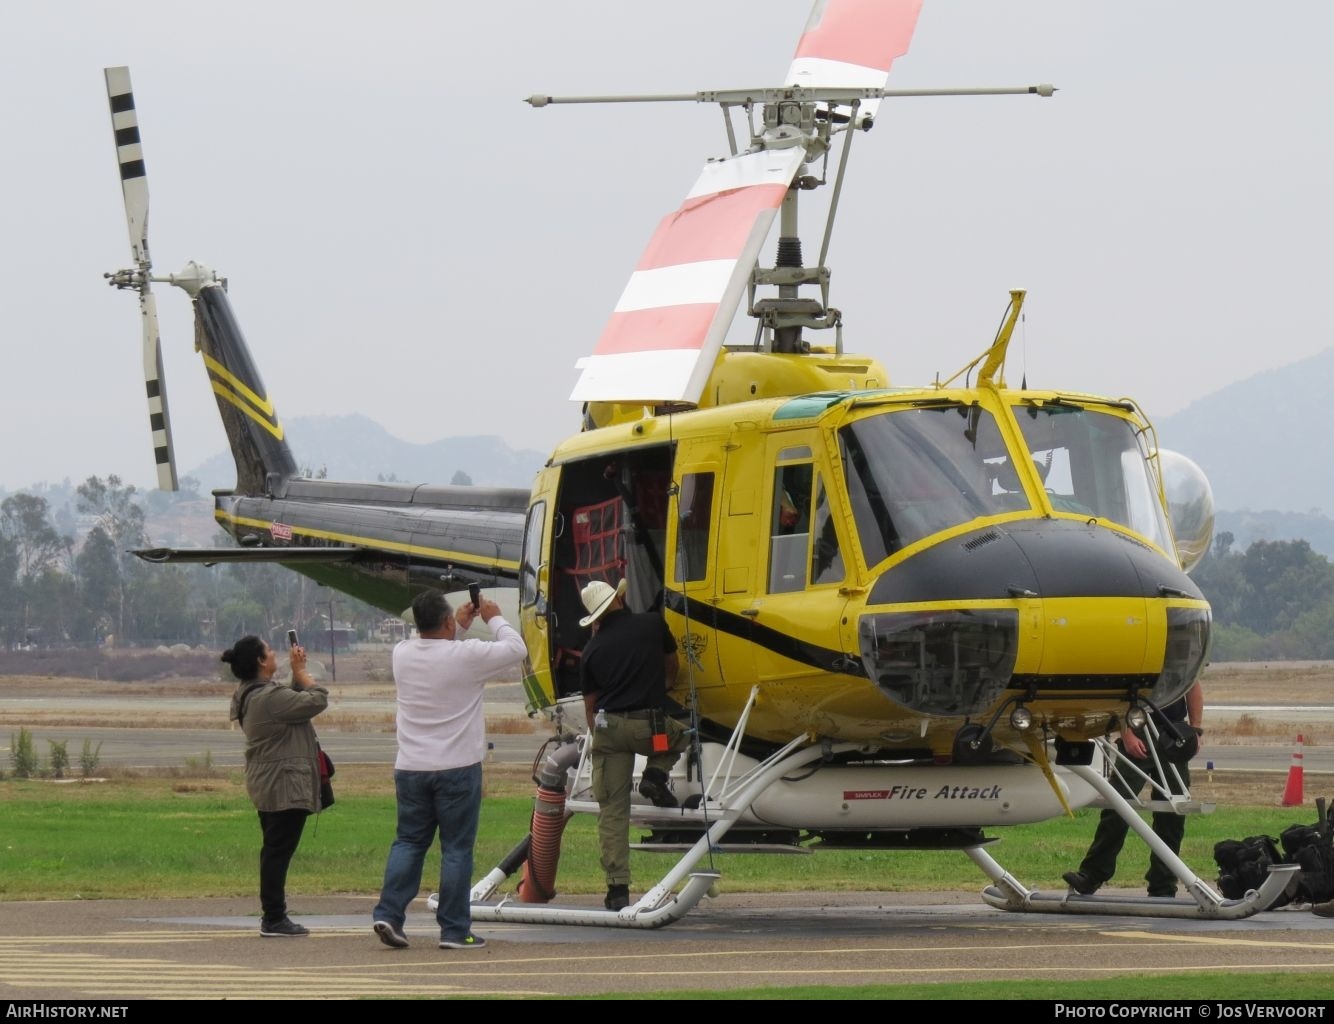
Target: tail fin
(264, 463)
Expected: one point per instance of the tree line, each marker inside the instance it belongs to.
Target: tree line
(1273, 601)
(71, 579)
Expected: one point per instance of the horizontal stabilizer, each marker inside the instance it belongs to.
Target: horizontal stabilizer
(254, 554)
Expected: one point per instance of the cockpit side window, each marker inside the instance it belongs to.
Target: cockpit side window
(790, 522)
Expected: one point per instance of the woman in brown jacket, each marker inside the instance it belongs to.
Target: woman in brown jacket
(282, 772)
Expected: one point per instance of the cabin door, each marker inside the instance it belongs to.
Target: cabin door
(535, 574)
(780, 560)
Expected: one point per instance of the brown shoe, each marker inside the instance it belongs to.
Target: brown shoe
(1325, 909)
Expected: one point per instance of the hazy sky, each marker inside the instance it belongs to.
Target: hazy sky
(404, 238)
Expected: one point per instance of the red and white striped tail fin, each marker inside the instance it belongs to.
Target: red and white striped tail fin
(668, 327)
(852, 44)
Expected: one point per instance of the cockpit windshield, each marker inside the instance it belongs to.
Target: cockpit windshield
(1095, 464)
(915, 472)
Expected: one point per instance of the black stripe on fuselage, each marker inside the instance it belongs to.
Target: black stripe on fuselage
(1041, 558)
(132, 169)
(122, 102)
(773, 640)
(127, 136)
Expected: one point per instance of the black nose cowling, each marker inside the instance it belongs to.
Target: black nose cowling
(958, 660)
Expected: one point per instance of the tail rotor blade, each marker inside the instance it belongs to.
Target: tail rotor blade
(134, 187)
(155, 384)
(130, 158)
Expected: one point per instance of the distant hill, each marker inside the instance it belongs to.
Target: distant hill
(356, 448)
(1261, 441)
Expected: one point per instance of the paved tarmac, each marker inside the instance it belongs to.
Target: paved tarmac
(211, 949)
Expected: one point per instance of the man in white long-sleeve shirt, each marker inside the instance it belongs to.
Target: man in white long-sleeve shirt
(438, 772)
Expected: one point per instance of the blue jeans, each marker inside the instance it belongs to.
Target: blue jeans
(450, 802)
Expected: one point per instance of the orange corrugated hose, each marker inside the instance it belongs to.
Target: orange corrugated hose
(539, 870)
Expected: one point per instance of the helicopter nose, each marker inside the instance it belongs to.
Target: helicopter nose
(1044, 606)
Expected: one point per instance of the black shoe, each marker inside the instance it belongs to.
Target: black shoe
(1081, 883)
(1325, 909)
(1164, 894)
(284, 928)
(467, 942)
(653, 785)
(618, 897)
(390, 935)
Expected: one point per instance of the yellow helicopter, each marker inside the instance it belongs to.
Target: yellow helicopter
(907, 613)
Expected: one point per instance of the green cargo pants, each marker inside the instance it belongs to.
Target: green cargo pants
(615, 745)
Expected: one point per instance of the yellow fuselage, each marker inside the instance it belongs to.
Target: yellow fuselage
(947, 555)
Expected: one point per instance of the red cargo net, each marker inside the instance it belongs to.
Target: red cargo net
(599, 545)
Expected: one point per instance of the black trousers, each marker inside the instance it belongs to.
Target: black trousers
(1100, 861)
(282, 833)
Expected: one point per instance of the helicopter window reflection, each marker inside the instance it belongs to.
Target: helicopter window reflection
(692, 535)
(790, 532)
(1094, 464)
(915, 472)
(826, 556)
(532, 554)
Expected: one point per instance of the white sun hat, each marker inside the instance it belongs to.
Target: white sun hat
(598, 597)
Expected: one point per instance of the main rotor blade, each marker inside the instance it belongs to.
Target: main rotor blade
(852, 43)
(155, 384)
(130, 157)
(669, 325)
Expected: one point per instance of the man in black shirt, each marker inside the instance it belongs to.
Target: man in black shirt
(626, 669)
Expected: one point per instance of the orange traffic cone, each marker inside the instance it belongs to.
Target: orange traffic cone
(1292, 792)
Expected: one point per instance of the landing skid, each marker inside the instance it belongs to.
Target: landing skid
(652, 911)
(739, 793)
(1202, 902)
(661, 905)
